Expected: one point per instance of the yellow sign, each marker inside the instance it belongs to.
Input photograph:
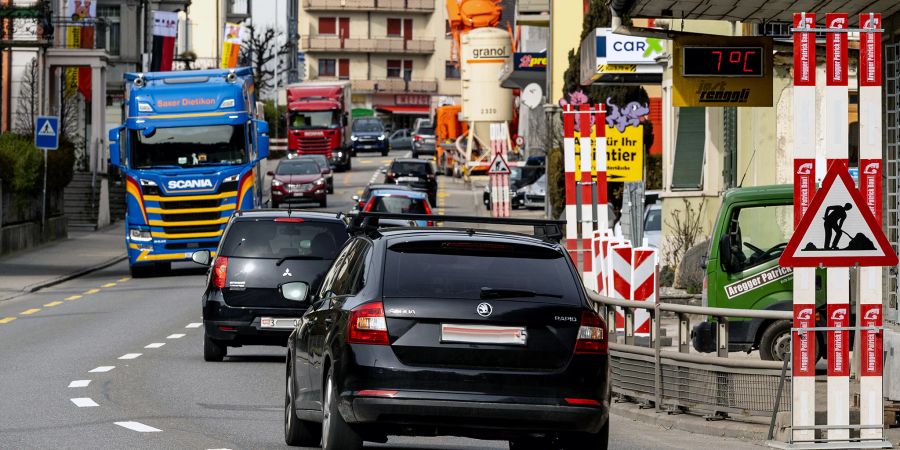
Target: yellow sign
(625, 154)
(722, 71)
(616, 68)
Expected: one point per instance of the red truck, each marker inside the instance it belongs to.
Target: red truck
(319, 120)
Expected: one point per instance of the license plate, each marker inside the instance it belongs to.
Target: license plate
(367, 146)
(408, 179)
(483, 334)
(278, 322)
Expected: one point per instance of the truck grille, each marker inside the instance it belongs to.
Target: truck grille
(314, 145)
(188, 204)
(193, 229)
(191, 217)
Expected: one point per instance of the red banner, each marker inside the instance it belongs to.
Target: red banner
(870, 360)
(804, 343)
(838, 350)
(804, 186)
(870, 51)
(805, 53)
(836, 50)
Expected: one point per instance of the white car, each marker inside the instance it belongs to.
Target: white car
(534, 194)
(653, 224)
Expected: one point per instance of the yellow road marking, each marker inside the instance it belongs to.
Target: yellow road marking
(367, 161)
(359, 192)
(122, 280)
(109, 284)
(443, 194)
(92, 291)
(52, 304)
(7, 320)
(73, 297)
(384, 161)
(29, 312)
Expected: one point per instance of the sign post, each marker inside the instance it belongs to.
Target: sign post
(46, 137)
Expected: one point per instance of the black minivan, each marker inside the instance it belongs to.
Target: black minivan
(259, 277)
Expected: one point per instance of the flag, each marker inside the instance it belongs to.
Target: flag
(78, 36)
(231, 46)
(165, 28)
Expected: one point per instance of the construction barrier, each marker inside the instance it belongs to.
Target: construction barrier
(643, 285)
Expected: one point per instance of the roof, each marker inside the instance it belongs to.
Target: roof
(396, 187)
(417, 195)
(410, 160)
(750, 10)
(275, 213)
(431, 233)
(760, 193)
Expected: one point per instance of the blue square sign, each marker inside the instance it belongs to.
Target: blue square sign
(46, 132)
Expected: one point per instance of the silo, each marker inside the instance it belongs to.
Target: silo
(483, 54)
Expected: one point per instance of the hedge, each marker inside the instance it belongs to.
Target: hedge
(21, 164)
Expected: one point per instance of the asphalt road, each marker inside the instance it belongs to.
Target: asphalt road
(105, 361)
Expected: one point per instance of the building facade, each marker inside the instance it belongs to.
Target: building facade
(396, 53)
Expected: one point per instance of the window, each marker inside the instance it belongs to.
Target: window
(757, 235)
(451, 72)
(271, 239)
(326, 68)
(394, 27)
(393, 68)
(687, 171)
(407, 70)
(327, 25)
(344, 69)
(110, 34)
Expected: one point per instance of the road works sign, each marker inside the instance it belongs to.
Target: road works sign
(838, 230)
(498, 166)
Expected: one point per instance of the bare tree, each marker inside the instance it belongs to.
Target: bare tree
(27, 104)
(262, 53)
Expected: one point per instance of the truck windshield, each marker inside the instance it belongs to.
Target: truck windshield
(305, 120)
(189, 146)
(759, 234)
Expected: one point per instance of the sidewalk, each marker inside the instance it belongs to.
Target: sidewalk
(58, 261)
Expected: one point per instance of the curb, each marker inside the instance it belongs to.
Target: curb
(69, 276)
(692, 424)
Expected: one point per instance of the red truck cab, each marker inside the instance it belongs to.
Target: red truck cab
(319, 120)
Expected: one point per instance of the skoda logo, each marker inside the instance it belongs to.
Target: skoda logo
(484, 309)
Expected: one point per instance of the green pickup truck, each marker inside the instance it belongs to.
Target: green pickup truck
(752, 229)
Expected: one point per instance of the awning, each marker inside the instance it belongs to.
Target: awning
(755, 11)
(415, 110)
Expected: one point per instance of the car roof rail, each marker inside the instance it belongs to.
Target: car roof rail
(545, 229)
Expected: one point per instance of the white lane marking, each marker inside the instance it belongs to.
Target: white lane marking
(194, 325)
(102, 369)
(137, 426)
(79, 383)
(130, 356)
(155, 345)
(83, 402)
(175, 336)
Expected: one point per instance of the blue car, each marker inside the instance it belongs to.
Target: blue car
(368, 135)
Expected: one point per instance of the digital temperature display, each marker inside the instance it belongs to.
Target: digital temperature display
(722, 61)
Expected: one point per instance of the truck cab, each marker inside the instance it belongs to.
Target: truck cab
(751, 231)
(319, 121)
(189, 151)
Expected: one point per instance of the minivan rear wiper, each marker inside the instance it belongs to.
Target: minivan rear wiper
(489, 292)
(304, 257)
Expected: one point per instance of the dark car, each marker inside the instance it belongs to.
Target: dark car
(423, 140)
(442, 331)
(519, 176)
(298, 181)
(416, 173)
(246, 301)
(400, 139)
(323, 163)
(368, 135)
(361, 200)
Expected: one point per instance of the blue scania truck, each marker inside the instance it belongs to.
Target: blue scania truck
(189, 152)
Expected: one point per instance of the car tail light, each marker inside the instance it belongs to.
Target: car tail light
(417, 138)
(289, 219)
(591, 338)
(388, 177)
(582, 401)
(368, 325)
(376, 393)
(219, 270)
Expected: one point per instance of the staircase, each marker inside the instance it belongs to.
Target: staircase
(81, 202)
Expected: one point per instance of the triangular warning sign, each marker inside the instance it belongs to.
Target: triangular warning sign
(838, 230)
(46, 129)
(499, 166)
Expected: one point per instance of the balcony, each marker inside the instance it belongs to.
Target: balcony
(329, 43)
(394, 85)
(87, 33)
(408, 6)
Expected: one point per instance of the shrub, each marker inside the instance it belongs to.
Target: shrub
(21, 163)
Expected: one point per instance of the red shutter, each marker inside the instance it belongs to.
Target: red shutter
(393, 27)
(326, 25)
(407, 29)
(344, 69)
(344, 27)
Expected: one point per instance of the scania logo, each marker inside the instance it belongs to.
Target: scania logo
(484, 309)
(871, 168)
(804, 169)
(839, 314)
(190, 184)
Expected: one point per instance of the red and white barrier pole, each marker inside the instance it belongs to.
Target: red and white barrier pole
(577, 145)
(871, 410)
(643, 286)
(620, 261)
(804, 344)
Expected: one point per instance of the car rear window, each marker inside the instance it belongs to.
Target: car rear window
(270, 239)
(426, 131)
(460, 269)
(412, 168)
(298, 168)
(398, 204)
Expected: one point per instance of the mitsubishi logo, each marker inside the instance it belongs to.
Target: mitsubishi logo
(287, 272)
(484, 309)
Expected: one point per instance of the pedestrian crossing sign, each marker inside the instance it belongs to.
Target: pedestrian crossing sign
(46, 132)
(838, 229)
(498, 166)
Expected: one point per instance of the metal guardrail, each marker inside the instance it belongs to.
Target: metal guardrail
(678, 381)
